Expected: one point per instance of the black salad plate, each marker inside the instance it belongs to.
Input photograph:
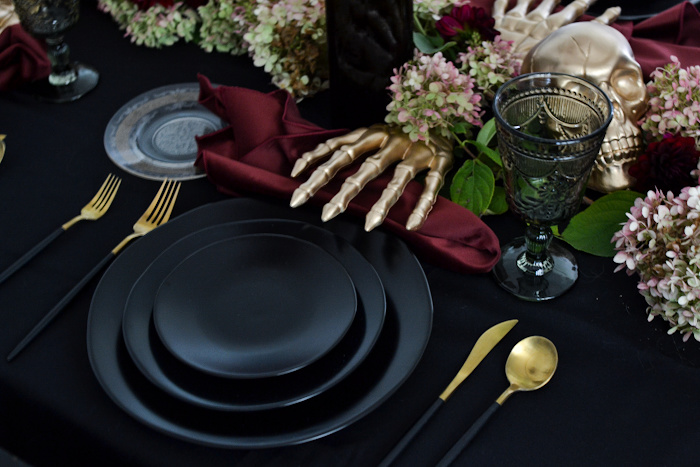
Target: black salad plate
(254, 306)
(395, 355)
(189, 385)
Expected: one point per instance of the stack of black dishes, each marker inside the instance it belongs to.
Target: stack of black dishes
(245, 324)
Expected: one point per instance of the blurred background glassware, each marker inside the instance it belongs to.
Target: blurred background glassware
(49, 20)
(550, 128)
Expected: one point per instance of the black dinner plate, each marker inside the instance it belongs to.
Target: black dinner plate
(254, 306)
(400, 346)
(181, 381)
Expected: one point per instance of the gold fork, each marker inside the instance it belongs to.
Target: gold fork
(157, 214)
(95, 209)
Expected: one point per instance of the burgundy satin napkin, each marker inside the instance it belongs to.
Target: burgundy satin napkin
(266, 135)
(675, 31)
(22, 58)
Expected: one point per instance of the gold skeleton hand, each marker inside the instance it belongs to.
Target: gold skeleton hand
(8, 17)
(392, 145)
(524, 28)
(527, 29)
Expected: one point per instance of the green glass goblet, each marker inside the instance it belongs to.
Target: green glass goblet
(550, 127)
(49, 20)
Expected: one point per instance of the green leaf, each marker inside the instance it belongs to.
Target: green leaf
(473, 186)
(430, 44)
(498, 205)
(488, 152)
(592, 229)
(462, 128)
(487, 132)
(484, 139)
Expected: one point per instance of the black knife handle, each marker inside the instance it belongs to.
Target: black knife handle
(30, 254)
(467, 437)
(410, 434)
(59, 307)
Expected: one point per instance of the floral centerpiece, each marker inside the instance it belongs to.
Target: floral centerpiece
(285, 37)
(446, 89)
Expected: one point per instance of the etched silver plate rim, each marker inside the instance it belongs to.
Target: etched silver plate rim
(121, 133)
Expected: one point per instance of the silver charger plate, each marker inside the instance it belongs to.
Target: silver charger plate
(153, 135)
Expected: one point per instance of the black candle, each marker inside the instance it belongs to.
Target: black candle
(367, 40)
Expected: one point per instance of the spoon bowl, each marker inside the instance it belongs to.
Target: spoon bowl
(530, 365)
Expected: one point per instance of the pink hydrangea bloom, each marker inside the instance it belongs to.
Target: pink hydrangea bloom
(661, 243)
(674, 102)
(430, 94)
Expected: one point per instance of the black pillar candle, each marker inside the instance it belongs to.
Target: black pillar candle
(367, 40)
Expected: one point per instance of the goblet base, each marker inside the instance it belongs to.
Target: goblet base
(86, 80)
(528, 286)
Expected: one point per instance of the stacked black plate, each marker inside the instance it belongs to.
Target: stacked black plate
(245, 324)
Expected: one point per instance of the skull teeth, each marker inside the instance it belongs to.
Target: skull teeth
(620, 149)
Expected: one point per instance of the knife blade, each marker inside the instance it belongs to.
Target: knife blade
(484, 344)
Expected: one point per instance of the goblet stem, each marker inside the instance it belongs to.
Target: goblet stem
(62, 70)
(536, 259)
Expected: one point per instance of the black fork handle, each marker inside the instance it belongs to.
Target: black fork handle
(24, 259)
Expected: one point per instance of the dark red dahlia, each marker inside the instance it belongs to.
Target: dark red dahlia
(666, 165)
(464, 21)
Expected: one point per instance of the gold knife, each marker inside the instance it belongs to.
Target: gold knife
(486, 342)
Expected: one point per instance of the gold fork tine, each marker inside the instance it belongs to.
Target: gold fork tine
(162, 203)
(107, 196)
(170, 203)
(99, 204)
(162, 206)
(156, 201)
(162, 212)
(95, 209)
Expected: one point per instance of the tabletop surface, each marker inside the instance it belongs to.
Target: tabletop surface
(624, 392)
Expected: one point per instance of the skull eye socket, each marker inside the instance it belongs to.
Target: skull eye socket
(628, 84)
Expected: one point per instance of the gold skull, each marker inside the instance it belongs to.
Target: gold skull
(602, 55)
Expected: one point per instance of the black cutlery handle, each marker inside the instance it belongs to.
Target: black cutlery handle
(467, 437)
(410, 434)
(48, 317)
(30, 254)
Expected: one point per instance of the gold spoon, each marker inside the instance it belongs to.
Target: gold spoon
(530, 366)
(2, 147)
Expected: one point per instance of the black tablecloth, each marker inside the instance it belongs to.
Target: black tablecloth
(625, 392)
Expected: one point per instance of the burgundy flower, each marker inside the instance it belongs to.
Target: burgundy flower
(666, 165)
(463, 21)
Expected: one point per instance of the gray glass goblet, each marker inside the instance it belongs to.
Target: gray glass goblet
(49, 20)
(550, 127)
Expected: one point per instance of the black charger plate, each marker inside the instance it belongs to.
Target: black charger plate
(181, 381)
(399, 348)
